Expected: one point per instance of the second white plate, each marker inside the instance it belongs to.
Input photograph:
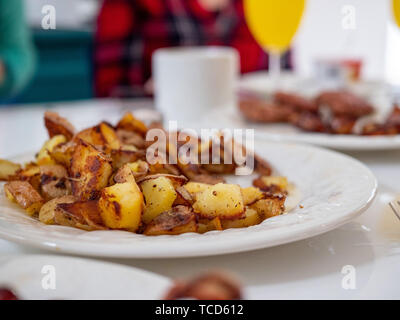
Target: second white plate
(334, 189)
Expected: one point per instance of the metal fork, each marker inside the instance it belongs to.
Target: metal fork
(395, 205)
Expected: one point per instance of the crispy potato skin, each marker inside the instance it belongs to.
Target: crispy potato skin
(251, 195)
(57, 125)
(195, 187)
(90, 171)
(24, 195)
(130, 123)
(159, 194)
(269, 207)
(48, 211)
(121, 206)
(102, 136)
(8, 169)
(251, 218)
(206, 225)
(54, 181)
(80, 214)
(177, 220)
(221, 200)
(43, 156)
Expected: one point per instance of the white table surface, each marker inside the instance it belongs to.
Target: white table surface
(307, 269)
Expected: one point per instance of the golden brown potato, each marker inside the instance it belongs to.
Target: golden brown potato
(251, 218)
(43, 156)
(24, 195)
(8, 169)
(57, 125)
(102, 135)
(251, 195)
(130, 123)
(121, 206)
(62, 153)
(90, 171)
(48, 210)
(205, 225)
(139, 168)
(159, 194)
(80, 214)
(272, 205)
(54, 181)
(124, 174)
(177, 220)
(183, 197)
(131, 138)
(195, 187)
(274, 184)
(221, 200)
(177, 181)
(121, 157)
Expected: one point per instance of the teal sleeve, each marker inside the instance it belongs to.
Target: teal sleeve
(16, 49)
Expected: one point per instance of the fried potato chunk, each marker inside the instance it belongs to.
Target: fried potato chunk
(206, 225)
(48, 210)
(130, 123)
(179, 219)
(43, 156)
(159, 194)
(54, 181)
(90, 171)
(102, 135)
(195, 187)
(57, 125)
(274, 184)
(24, 195)
(121, 206)
(272, 205)
(80, 214)
(251, 218)
(251, 195)
(221, 200)
(8, 169)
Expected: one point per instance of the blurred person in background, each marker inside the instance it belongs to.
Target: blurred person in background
(129, 31)
(16, 49)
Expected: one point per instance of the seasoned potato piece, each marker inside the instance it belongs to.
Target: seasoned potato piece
(62, 153)
(101, 135)
(44, 154)
(139, 168)
(121, 206)
(177, 181)
(221, 200)
(131, 138)
(159, 194)
(48, 210)
(177, 220)
(205, 225)
(130, 123)
(273, 205)
(271, 183)
(57, 125)
(90, 171)
(251, 195)
(25, 195)
(196, 187)
(124, 174)
(121, 157)
(54, 181)
(8, 169)
(183, 197)
(80, 214)
(251, 218)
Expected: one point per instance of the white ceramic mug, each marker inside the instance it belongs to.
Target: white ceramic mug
(189, 82)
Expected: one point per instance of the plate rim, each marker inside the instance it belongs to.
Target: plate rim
(300, 232)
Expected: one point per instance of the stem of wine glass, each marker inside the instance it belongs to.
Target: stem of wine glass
(274, 66)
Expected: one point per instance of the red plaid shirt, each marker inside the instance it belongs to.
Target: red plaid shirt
(129, 31)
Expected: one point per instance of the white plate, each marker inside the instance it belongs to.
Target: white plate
(259, 82)
(77, 278)
(334, 189)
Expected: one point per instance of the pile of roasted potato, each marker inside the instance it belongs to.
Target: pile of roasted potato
(101, 179)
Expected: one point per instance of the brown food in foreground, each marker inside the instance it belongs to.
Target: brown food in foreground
(104, 177)
(210, 286)
(296, 101)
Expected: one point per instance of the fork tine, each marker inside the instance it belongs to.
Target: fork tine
(394, 209)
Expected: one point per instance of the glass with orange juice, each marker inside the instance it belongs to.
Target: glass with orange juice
(273, 24)
(396, 11)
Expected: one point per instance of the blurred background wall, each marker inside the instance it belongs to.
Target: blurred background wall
(65, 69)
